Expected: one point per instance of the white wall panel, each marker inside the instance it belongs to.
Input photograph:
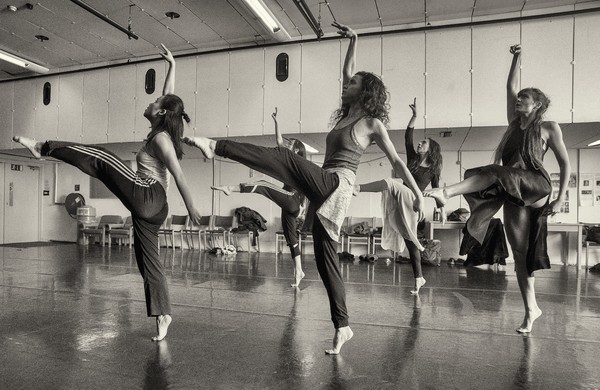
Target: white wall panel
(403, 75)
(586, 75)
(70, 107)
(24, 112)
(121, 104)
(185, 88)
(546, 58)
(246, 105)
(491, 63)
(212, 100)
(95, 106)
(448, 82)
(142, 99)
(368, 54)
(285, 95)
(46, 117)
(321, 84)
(6, 113)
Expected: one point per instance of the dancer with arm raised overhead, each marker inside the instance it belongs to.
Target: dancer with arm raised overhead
(520, 184)
(142, 192)
(358, 122)
(292, 202)
(425, 165)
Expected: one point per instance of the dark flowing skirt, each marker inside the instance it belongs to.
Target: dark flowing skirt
(521, 187)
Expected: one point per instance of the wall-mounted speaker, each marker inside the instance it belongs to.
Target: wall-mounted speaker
(47, 93)
(282, 66)
(149, 84)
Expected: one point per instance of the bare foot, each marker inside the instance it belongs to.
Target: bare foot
(204, 144)
(530, 317)
(34, 147)
(341, 336)
(438, 194)
(224, 189)
(298, 276)
(162, 325)
(419, 282)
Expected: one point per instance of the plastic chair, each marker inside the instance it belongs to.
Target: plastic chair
(176, 226)
(101, 228)
(353, 238)
(221, 226)
(121, 232)
(199, 230)
(376, 237)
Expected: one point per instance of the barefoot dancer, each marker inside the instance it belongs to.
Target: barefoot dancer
(521, 185)
(360, 121)
(399, 220)
(292, 202)
(144, 192)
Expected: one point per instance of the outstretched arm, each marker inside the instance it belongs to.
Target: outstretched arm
(512, 84)
(164, 150)
(556, 143)
(374, 186)
(411, 153)
(278, 136)
(169, 86)
(350, 61)
(382, 138)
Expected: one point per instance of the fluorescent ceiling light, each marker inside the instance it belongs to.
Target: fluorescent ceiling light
(260, 10)
(595, 143)
(32, 66)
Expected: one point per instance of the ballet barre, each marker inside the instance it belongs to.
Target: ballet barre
(557, 227)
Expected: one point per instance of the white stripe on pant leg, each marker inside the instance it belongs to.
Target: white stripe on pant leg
(112, 161)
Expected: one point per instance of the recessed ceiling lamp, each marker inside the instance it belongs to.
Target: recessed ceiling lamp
(267, 19)
(172, 15)
(29, 65)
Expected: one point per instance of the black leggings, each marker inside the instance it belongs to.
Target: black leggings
(144, 197)
(288, 201)
(317, 184)
(415, 258)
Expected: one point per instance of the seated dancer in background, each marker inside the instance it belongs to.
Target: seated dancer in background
(142, 192)
(520, 184)
(293, 204)
(359, 122)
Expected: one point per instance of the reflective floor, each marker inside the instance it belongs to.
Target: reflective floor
(74, 318)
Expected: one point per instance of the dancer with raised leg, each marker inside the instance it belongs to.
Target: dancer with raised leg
(425, 165)
(358, 122)
(144, 192)
(520, 184)
(292, 202)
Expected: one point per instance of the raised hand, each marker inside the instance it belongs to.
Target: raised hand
(167, 54)
(274, 115)
(515, 49)
(413, 107)
(344, 30)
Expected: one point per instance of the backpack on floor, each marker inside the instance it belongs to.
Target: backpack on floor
(431, 255)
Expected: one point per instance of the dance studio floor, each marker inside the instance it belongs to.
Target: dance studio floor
(73, 317)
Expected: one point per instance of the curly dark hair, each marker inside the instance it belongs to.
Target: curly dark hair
(373, 99)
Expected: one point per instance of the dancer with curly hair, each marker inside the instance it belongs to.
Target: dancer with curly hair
(360, 120)
(144, 192)
(292, 202)
(520, 184)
